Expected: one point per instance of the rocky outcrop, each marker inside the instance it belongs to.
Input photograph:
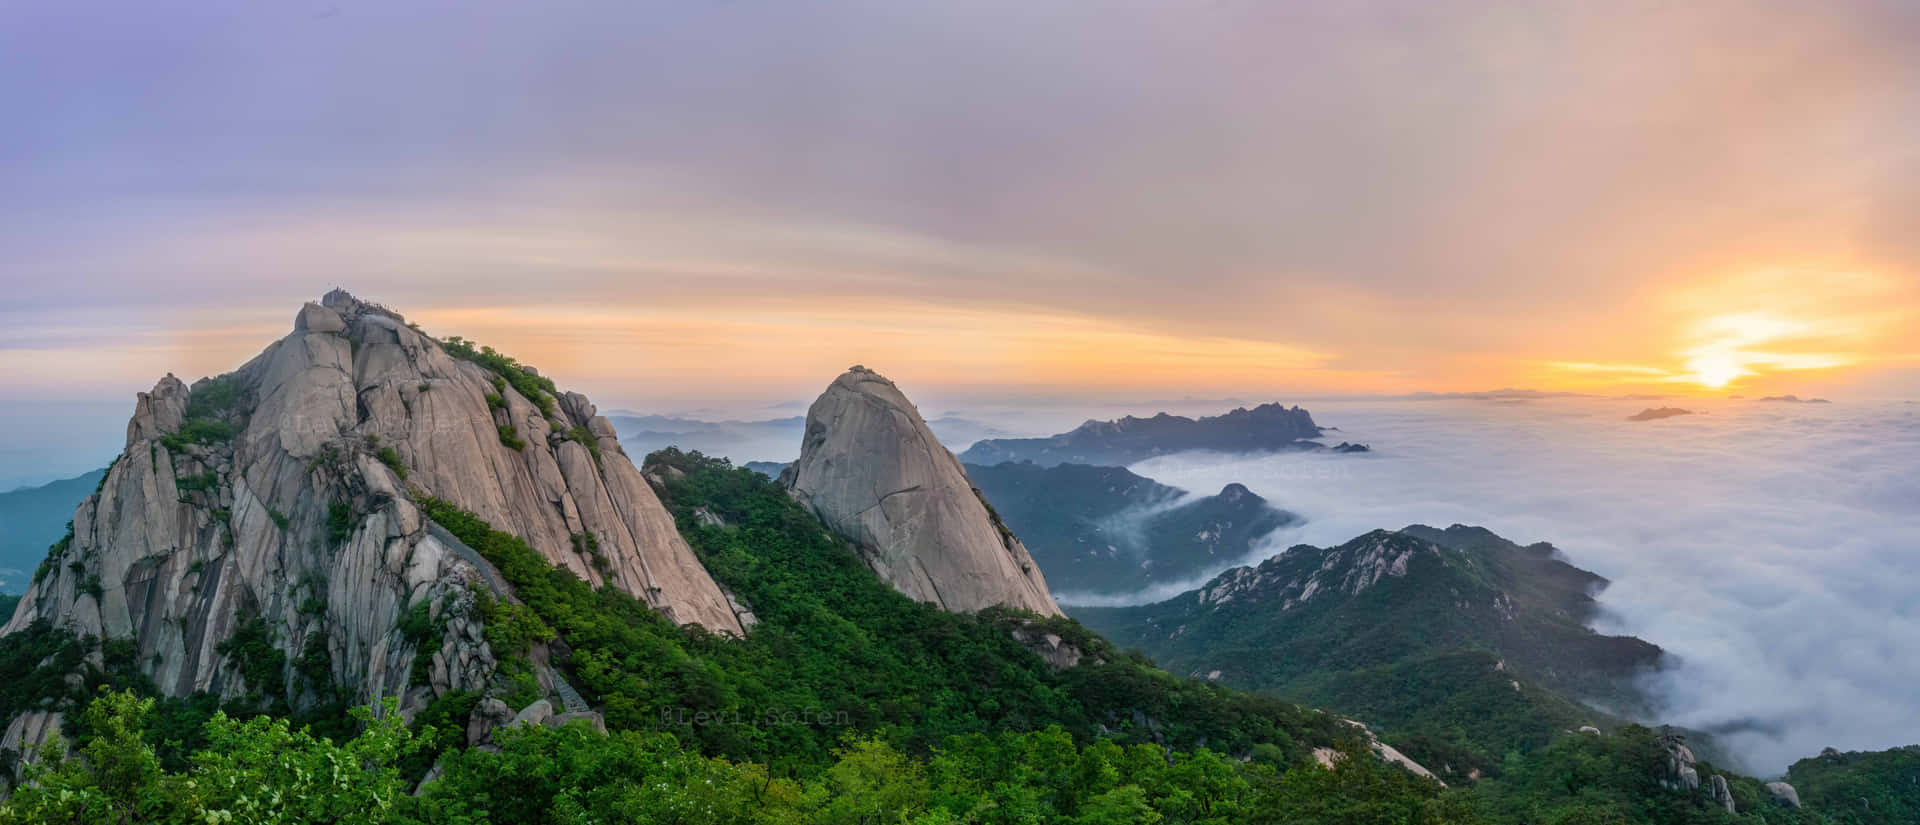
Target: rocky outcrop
(1720, 794)
(1784, 794)
(1056, 652)
(1677, 771)
(873, 472)
(30, 730)
(1385, 752)
(285, 495)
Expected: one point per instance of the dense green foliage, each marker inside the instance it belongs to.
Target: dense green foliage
(270, 771)
(834, 640)
(340, 522)
(536, 388)
(391, 457)
(215, 413)
(1105, 529)
(251, 650)
(1457, 642)
(267, 771)
(1603, 780)
(257, 771)
(1860, 788)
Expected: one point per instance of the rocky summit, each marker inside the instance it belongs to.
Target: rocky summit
(288, 495)
(873, 472)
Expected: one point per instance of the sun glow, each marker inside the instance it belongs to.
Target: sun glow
(1735, 346)
(1747, 331)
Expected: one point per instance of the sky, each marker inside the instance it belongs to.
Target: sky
(670, 203)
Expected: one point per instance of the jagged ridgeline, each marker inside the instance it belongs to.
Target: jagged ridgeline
(1461, 643)
(1123, 441)
(260, 535)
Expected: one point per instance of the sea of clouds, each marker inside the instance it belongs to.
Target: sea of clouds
(1772, 548)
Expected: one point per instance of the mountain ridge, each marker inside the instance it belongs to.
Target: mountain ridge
(279, 502)
(1127, 440)
(1105, 530)
(1328, 625)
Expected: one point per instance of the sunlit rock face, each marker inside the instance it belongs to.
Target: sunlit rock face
(873, 472)
(287, 491)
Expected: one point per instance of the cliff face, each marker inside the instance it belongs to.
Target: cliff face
(285, 491)
(872, 471)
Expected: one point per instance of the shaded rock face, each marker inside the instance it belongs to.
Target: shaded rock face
(1784, 794)
(1678, 772)
(286, 491)
(873, 472)
(1721, 795)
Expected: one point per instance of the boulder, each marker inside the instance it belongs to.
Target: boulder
(1721, 795)
(316, 318)
(1056, 652)
(873, 471)
(533, 714)
(593, 720)
(158, 412)
(1678, 771)
(1784, 794)
(488, 713)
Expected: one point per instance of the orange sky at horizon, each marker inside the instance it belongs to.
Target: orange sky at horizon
(1764, 332)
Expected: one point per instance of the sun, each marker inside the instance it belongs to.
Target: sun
(1729, 347)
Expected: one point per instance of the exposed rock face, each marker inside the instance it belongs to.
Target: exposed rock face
(286, 490)
(28, 731)
(1721, 795)
(873, 472)
(1058, 653)
(1679, 772)
(1784, 794)
(1386, 753)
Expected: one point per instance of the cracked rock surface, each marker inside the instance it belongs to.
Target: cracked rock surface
(301, 511)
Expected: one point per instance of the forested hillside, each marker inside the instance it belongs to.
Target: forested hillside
(847, 703)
